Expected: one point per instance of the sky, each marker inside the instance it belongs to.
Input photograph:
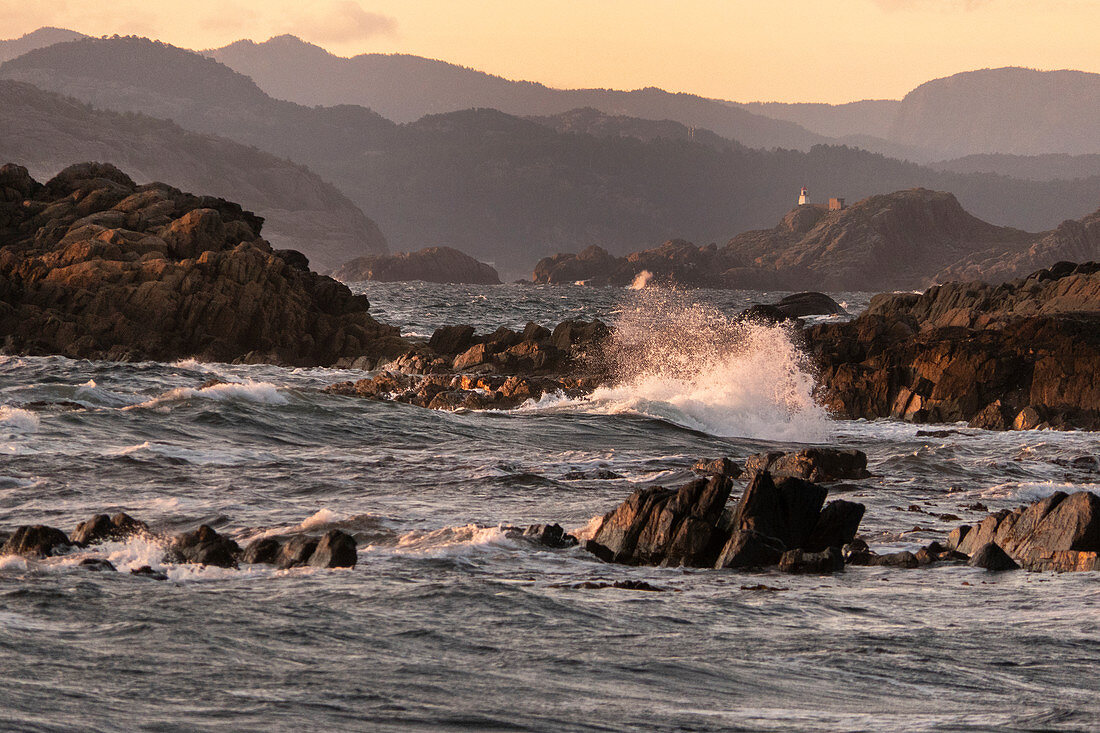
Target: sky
(743, 50)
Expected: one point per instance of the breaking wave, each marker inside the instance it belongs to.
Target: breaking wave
(696, 367)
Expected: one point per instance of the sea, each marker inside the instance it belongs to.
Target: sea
(450, 621)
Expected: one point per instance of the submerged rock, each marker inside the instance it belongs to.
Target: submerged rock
(810, 304)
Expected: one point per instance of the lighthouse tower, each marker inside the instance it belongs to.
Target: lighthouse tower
(803, 197)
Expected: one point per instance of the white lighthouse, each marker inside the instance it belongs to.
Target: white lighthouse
(803, 197)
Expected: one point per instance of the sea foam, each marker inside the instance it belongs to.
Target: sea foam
(697, 367)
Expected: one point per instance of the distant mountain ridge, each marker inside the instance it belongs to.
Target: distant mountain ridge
(404, 88)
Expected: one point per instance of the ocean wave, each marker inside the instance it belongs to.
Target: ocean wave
(247, 391)
(696, 367)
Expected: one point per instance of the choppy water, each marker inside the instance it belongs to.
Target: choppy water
(446, 623)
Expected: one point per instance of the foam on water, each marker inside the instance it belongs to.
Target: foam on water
(16, 421)
(694, 366)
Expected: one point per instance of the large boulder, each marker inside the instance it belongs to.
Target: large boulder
(203, 546)
(1020, 355)
(35, 540)
(335, 549)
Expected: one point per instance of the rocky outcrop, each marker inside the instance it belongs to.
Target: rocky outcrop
(35, 540)
(691, 526)
(94, 266)
(891, 241)
(1018, 355)
(1060, 532)
(431, 264)
(457, 369)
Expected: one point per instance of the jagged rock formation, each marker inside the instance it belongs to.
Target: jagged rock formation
(690, 526)
(431, 264)
(1022, 354)
(94, 266)
(1060, 532)
(46, 132)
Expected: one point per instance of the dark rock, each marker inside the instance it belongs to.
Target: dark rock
(991, 557)
(717, 467)
(297, 551)
(657, 525)
(957, 536)
(451, 339)
(35, 540)
(1060, 532)
(203, 546)
(534, 332)
(147, 572)
(766, 314)
(749, 549)
(97, 564)
(173, 276)
(798, 561)
(335, 549)
(102, 528)
(903, 559)
(264, 550)
(810, 304)
(1020, 354)
(787, 510)
(812, 464)
(550, 535)
(836, 526)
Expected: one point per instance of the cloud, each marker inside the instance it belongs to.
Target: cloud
(341, 22)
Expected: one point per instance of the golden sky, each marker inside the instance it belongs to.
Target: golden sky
(744, 50)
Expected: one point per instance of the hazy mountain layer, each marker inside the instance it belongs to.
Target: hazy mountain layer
(13, 47)
(46, 133)
(508, 190)
(404, 88)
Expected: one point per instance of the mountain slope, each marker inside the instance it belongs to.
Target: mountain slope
(13, 47)
(46, 133)
(1010, 110)
(405, 88)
